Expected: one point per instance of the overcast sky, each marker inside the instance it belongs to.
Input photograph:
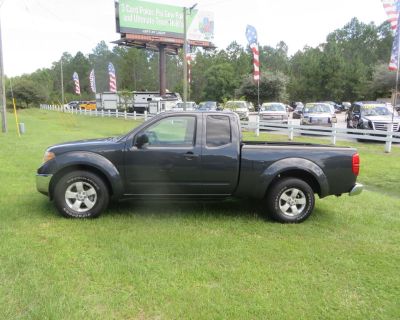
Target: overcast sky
(37, 32)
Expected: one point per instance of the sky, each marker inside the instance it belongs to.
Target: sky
(36, 32)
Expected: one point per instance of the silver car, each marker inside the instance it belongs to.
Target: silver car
(318, 114)
(274, 112)
(239, 107)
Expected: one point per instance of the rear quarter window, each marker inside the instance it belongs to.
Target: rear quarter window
(218, 131)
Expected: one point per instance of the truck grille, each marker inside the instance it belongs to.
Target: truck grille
(383, 126)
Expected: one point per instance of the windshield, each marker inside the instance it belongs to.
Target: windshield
(273, 107)
(207, 105)
(236, 104)
(317, 108)
(375, 110)
(182, 105)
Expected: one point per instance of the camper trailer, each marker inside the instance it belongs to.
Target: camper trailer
(141, 101)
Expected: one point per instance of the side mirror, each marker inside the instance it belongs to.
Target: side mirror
(141, 140)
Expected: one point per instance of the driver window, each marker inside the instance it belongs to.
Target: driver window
(172, 131)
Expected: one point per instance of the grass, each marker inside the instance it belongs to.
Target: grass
(195, 261)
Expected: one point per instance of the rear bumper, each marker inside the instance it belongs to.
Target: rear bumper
(43, 183)
(356, 190)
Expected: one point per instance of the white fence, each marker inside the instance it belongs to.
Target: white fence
(334, 132)
(99, 113)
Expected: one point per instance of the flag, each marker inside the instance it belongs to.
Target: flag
(251, 35)
(189, 63)
(92, 81)
(394, 57)
(392, 9)
(75, 77)
(112, 78)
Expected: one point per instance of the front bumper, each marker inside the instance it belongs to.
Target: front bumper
(43, 183)
(356, 190)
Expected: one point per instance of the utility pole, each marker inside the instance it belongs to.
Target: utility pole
(185, 79)
(62, 84)
(2, 88)
(185, 45)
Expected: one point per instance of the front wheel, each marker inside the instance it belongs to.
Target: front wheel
(290, 200)
(81, 194)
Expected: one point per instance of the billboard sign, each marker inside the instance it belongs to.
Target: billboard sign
(155, 19)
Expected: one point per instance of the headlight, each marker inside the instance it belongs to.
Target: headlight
(48, 156)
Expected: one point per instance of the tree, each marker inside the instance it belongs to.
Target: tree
(220, 82)
(272, 88)
(28, 92)
(383, 81)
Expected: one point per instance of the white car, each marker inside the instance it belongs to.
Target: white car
(318, 114)
(274, 112)
(180, 106)
(239, 107)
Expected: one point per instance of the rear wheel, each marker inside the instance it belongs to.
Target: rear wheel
(290, 200)
(81, 194)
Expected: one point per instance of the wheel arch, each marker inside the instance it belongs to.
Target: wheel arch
(299, 174)
(91, 162)
(300, 168)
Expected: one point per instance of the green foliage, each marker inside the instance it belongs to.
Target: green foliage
(220, 82)
(272, 88)
(27, 92)
(348, 66)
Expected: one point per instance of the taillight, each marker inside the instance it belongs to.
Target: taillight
(355, 167)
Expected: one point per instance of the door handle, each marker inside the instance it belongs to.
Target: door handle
(190, 155)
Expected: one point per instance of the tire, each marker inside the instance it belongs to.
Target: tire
(300, 195)
(81, 194)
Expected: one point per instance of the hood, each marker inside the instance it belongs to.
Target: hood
(318, 115)
(271, 112)
(87, 145)
(241, 110)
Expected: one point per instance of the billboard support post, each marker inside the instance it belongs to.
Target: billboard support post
(162, 69)
(185, 53)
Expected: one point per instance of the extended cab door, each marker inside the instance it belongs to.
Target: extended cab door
(220, 158)
(169, 162)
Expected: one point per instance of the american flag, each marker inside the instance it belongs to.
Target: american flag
(251, 35)
(394, 57)
(392, 8)
(75, 77)
(92, 80)
(113, 79)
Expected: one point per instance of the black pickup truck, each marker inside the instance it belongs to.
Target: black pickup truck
(195, 156)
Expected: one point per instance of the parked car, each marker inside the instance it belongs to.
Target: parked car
(87, 105)
(195, 155)
(296, 105)
(371, 115)
(208, 106)
(241, 108)
(336, 107)
(318, 114)
(185, 106)
(73, 104)
(289, 108)
(274, 112)
(298, 112)
(346, 106)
